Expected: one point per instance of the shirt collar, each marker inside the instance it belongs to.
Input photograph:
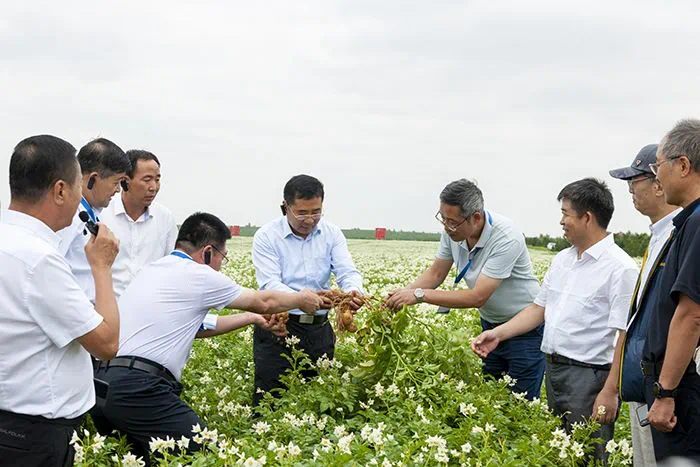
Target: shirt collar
(486, 232)
(33, 224)
(680, 219)
(664, 224)
(597, 249)
(287, 230)
(120, 209)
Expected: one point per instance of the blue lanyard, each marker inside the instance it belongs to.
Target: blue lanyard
(89, 210)
(180, 254)
(463, 273)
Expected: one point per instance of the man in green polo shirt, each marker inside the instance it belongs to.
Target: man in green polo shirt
(490, 255)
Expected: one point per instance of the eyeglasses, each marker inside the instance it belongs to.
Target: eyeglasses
(655, 166)
(632, 183)
(449, 223)
(224, 259)
(303, 217)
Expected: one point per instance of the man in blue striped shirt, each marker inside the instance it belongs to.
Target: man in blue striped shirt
(296, 251)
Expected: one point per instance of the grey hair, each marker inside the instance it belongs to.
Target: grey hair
(464, 194)
(683, 140)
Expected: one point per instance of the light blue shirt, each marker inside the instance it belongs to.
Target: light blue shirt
(287, 262)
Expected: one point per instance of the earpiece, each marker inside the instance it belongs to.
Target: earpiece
(207, 257)
(284, 209)
(125, 185)
(91, 182)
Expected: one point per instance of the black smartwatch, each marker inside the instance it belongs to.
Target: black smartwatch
(659, 392)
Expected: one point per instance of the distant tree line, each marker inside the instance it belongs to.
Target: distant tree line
(633, 243)
(366, 234)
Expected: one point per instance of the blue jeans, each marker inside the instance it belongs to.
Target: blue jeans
(520, 358)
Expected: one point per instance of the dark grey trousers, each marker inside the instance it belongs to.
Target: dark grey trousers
(571, 392)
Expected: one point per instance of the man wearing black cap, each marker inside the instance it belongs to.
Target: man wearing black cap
(625, 380)
(672, 384)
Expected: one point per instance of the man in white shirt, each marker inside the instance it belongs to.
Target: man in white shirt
(162, 311)
(103, 165)
(583, 302)
(47, 324)
(625, 380)
(296, 251)
(146, 230)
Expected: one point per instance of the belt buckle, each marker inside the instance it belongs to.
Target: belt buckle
(306, 319)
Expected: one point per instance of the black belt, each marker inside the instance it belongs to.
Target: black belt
(309, 319)
(653, 369)
(138, 363)
(560, 359)
(38, 418)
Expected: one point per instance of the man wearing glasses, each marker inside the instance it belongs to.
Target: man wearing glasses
(490, 254)
(296, 251)
(162, 310)
(672, 384)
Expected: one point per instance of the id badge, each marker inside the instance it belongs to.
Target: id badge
(642, 414)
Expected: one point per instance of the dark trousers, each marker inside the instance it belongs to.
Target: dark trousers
(269, 350)
(143, 406)
(29, 441)
(520, 358)
(571, 393)
(684, 440)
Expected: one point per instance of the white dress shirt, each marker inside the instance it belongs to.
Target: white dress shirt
(586, 301)
(43, 368)
(660, 232)
(73, 241)
(287, 262)
(162, 309)
(141, 241)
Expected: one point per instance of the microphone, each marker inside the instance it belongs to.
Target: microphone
(91, 226)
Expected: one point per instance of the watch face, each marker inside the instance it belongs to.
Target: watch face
(419, 293)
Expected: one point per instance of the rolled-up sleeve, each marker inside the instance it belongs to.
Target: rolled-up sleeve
(346, 274)
(268, 270)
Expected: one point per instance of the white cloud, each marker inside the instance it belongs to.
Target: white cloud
(385, 102)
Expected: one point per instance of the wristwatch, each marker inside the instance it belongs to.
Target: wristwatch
(419, 294)
(659, 392)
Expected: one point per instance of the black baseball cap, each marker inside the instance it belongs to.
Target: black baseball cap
(640, 164)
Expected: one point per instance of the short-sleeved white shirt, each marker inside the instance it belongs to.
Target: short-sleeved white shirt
(164, 306)
(148, 238)
(72, 246)
(43, 368)
(586, 301)
(500, 253)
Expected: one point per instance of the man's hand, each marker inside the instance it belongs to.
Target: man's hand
(605, 406)
(101, 250)
(276, 324)
(662, 414)
(357, 301)
(400, 297)
(485, 343)
(310, 302)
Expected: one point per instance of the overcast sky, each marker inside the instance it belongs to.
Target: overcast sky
(384, 101)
